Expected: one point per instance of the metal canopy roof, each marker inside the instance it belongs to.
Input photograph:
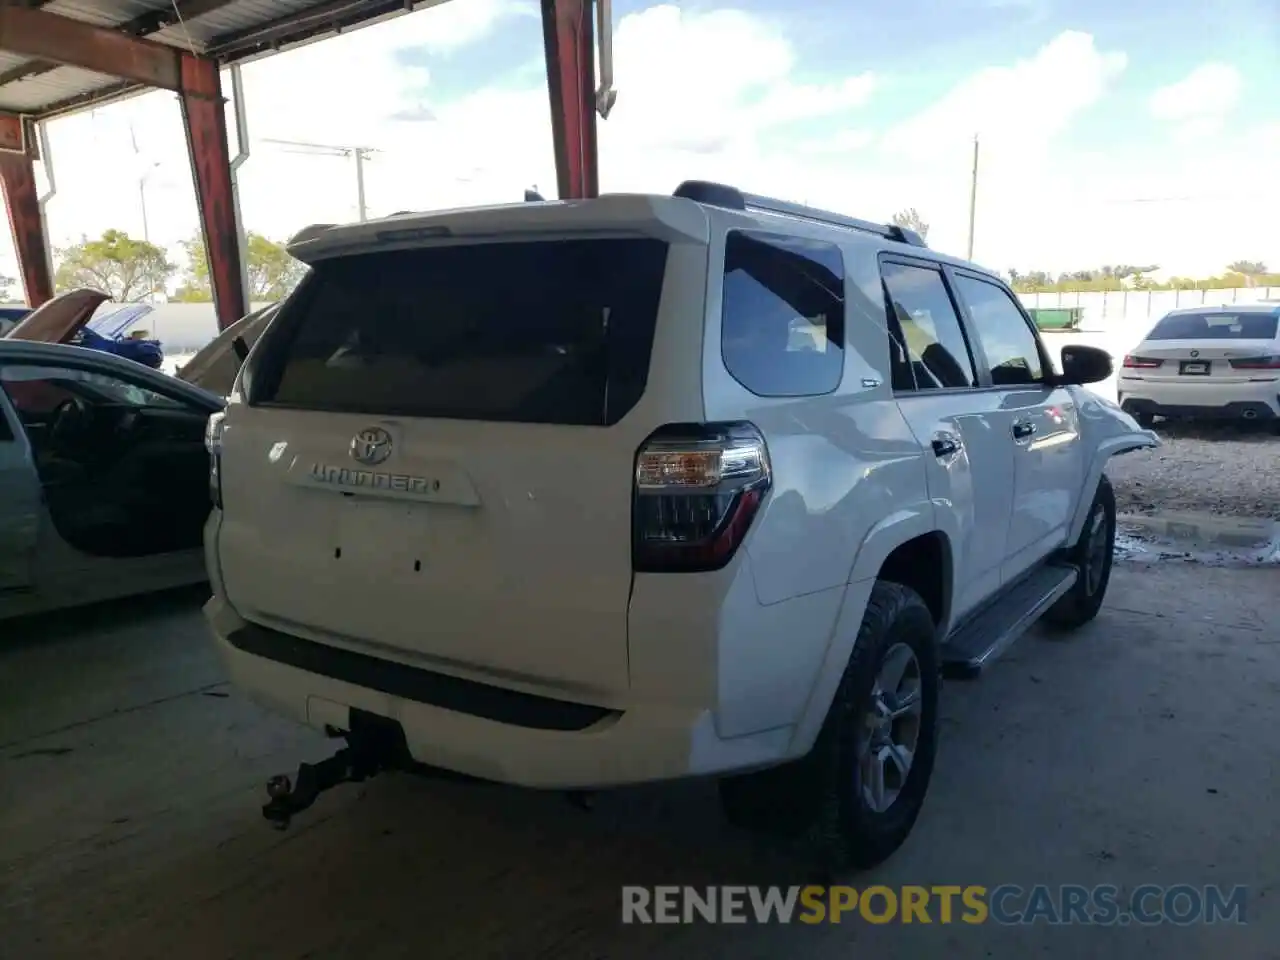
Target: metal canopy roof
(42, 67)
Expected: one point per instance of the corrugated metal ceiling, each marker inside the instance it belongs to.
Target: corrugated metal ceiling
(35, 87)
(33, 94)
(233, 18)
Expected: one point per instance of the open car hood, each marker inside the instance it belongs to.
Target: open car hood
(61, 318)
(215, 367)
(115, 322)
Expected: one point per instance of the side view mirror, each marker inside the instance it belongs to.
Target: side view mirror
(1083, 365)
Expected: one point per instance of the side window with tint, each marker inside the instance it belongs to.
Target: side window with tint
(6, 429)
(1005, 336)
(927, 329)
(782, 315)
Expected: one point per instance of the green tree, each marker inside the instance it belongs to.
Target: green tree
(116, 264)
(1251, 270)
(1242, 273)
(272, 272)
(910, 219)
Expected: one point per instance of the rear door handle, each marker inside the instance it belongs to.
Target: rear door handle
(945, 445)
(1023, 429)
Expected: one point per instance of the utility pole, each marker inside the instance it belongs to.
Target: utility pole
(144, 174)
(973, 196)
(359, 154)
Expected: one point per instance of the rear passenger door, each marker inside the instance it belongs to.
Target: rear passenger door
(937, 386)
(1038, 421)
(20, 503)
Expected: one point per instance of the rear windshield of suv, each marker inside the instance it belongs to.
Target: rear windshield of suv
(533, 331)
(1216, 326)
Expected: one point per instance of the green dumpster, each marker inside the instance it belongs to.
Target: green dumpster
(1057, 318)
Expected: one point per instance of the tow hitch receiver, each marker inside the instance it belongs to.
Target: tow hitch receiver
(374, 744)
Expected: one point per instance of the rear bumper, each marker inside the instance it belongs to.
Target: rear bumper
(498, 734)
(1244, 400)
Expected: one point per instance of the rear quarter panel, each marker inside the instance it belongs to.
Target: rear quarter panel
(848, 480)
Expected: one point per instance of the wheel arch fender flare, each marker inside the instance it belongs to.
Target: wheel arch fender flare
(886, 536)
(1093, 476)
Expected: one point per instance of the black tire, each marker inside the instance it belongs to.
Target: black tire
(820, 798)
(1083, 601)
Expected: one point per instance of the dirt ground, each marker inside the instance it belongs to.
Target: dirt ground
(1223, 470)
(1144, 749)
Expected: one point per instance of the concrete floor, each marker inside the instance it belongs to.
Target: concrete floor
(1144, 750)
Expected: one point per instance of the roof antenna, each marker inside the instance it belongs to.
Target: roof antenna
(532, 195)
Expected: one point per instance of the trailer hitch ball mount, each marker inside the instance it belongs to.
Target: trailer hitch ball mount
(372, 745)
(287, 798)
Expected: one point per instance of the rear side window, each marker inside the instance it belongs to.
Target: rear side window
(533, 332)
(926, 326)
(782, 314)
(1011, 348)
(1216, 326)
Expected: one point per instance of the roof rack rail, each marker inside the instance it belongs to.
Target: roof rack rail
(731, 198)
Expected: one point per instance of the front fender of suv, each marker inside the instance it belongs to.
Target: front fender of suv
(1105, 431)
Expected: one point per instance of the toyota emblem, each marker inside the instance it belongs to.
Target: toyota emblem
(371, 446)
(1195, 353)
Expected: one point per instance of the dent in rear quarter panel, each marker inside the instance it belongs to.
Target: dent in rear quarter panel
(842, 463)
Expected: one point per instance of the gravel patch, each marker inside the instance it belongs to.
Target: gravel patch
(1223, 470)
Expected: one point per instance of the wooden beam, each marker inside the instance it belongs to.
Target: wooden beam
(140, 26)
(18, 181)
(205, 119)
(569, 42)
(47, 36)
(14, 134)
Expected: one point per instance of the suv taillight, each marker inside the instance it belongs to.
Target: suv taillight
(697, 489)
(213, 443)
(1257, 363)
(1141, 363)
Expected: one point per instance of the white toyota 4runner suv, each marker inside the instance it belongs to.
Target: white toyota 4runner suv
(581, 494)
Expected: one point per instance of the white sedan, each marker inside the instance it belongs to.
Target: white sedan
(1219, 363)
(104, 476)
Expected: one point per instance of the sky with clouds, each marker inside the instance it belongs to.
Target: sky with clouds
(1126, 131)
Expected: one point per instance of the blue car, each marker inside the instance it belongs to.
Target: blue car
(76, 320)
(10, 317)
(107, 333)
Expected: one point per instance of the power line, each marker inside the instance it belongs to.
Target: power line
(358, 153)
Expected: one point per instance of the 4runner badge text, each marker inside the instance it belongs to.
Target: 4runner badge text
(372, 479)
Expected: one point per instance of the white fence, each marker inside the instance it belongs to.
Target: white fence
(1128, 314)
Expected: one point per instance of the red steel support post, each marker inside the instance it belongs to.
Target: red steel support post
(205, 119)
(21, 195)
(569, 40)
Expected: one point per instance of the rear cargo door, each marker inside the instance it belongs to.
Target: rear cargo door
(436, 457)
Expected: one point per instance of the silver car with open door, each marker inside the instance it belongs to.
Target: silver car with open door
(104, 476)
